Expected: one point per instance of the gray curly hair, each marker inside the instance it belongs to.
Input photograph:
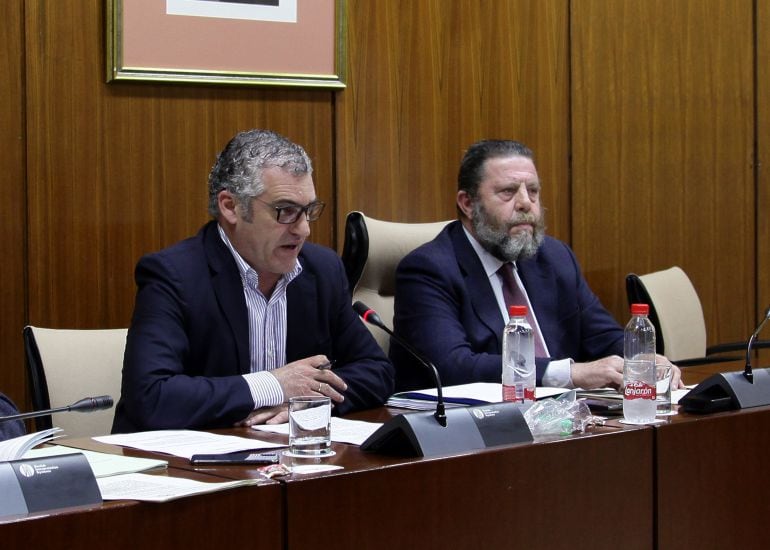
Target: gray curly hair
(239, 166)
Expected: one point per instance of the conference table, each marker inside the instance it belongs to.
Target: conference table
(252, 515)
(712, 485)
(689, 482)
(554, 493)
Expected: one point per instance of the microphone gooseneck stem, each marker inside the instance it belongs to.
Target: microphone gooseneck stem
(33, 414)
(371, 317)
(748, 373)
(86, 404)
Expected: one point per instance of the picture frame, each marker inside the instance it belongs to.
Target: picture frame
(296, 43)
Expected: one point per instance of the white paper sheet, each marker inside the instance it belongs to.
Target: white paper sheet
(102, 464)
(186, 443)
(14, 449)
(469, 394)
(342, 430)
(160, 488)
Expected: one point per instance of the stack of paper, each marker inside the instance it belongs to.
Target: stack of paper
(186, 443)
(461, 395)
(102, 464)
(610, 393)
(14, 449)
(342, 430)
(600, 393)
(161, 488)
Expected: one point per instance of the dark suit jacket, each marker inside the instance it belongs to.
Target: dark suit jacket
(446, 308)
(11, 428)
(188, 343)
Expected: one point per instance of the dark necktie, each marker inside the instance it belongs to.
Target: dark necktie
(515, 295)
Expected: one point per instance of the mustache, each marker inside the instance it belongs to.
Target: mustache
(523, 218)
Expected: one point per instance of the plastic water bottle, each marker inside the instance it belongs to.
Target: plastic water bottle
(639, 367)
(518, 357)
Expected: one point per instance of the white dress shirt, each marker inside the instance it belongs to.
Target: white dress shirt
(558, 371)
(267, 330)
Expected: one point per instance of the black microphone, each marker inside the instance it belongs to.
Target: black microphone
(731, 390)
(748, 373)
(432, 434)
(371, 317)
(86, 404)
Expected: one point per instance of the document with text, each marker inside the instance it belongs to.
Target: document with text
(477, 393)
(102, 464)
(186, 443)
(160, 488)
(342, 430)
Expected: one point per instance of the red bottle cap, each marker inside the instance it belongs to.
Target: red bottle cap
(640, 309)
(517, 311)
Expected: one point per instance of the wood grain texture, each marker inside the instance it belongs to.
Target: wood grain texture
(198, 522)
(486, 499)
(120, 169)
(642, 113)
(762, 210)
(711, 481)
(427, 79)
(12, 201)
(662, 122)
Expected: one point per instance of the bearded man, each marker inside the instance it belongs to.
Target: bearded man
(452, 293)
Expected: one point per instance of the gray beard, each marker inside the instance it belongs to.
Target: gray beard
(498, 241)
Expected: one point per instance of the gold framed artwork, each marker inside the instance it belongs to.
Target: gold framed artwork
(249, 42)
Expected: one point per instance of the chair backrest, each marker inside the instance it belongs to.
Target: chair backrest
(675, 310)
(66, 365)
(371, 253)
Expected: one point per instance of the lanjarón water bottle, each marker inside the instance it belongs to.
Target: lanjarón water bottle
(639, 367)
(518, 357)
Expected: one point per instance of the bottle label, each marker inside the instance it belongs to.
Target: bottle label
(524, 393)
(529, 394)
(509, 393)
(639, 390)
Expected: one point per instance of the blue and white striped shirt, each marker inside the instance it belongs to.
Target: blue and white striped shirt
(267, 330)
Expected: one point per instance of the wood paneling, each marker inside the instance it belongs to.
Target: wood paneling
(762, 211)
(12, 203)
(663, 138)
(428, 78)
(120, 170)
(643, 115)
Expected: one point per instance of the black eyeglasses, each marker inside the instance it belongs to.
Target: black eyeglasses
(290, 213)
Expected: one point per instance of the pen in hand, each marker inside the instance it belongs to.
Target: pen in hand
(326, 366)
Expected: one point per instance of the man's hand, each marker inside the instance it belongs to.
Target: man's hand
(676, 374)
(309, 376)
(606, 372)
(306, 377)
(267, 415)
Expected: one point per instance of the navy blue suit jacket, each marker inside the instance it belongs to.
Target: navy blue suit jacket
(11, 428)
(445, 307)
(188, 343)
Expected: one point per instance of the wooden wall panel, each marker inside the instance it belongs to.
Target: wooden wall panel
(119, 170)
(12, 204)
(663, 130)
(641, 114)
(428, 78)
(763, 171)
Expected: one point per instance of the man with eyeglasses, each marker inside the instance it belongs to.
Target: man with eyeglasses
(231, 323)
